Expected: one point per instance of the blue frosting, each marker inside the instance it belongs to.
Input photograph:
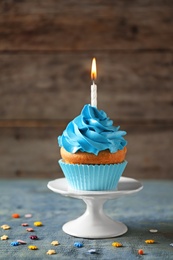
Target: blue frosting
(92, 131)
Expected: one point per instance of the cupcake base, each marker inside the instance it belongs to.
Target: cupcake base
(103, 157)
(93, 177)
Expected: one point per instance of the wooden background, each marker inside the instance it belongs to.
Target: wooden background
(46, 48)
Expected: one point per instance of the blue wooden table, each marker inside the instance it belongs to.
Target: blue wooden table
(151, 208)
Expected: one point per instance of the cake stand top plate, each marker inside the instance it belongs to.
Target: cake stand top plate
(125, 186)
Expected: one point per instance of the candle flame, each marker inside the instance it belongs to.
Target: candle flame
(93, 70)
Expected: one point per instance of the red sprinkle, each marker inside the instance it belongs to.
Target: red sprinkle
(33, 237)
(140, 252)
(15, 215)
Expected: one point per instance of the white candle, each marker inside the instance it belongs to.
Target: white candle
(93, 86)
(94, 95)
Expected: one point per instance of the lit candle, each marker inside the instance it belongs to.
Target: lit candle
(93, 86)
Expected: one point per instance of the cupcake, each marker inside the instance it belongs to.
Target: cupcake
(93, 151)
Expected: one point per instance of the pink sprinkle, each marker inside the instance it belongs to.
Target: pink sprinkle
(24, 224)
(28, 215)
(30, 229)
(21, 242)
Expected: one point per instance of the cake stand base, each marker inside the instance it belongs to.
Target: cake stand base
(94, 223)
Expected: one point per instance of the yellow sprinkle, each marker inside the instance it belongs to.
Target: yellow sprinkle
(5, 227)
(117, 244)
(38, 223)
(149, 241)
(55, 243)
(51, 252)
(4, 237)
(32, 247)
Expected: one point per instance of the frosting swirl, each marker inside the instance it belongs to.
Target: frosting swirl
(92, 131)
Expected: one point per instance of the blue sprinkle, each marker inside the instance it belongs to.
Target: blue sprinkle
(78, 244)
(14, 243)
(92, 251)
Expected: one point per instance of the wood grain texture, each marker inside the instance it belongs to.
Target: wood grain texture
(46, 49)
(33, 152)
(54, 6)
(35, 26)
(130, 86)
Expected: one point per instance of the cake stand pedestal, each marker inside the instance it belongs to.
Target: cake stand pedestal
(94, 223)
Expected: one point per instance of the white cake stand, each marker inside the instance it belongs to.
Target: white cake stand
(94, 223)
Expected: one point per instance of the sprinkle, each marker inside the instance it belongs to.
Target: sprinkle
(149, 241)
(153, 230)
(24, 224)
(140, 252)
(28, 215)
(117, 244)
(38, 223)
(4, 237)
(30, 229)
(51, 252)
(32, 247)
(14, 243)
(5, 227)
(21, 242)
(15, 215)
(33, 237)
(78, 244)
(92, 251)
(55, 243)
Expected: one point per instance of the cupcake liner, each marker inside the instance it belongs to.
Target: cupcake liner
(92, 177)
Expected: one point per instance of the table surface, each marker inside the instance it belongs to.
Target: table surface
(151, 208)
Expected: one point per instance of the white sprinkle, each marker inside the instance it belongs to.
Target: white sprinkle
(21, 241)
(28, 215)
(92, 251)
(153, 230)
